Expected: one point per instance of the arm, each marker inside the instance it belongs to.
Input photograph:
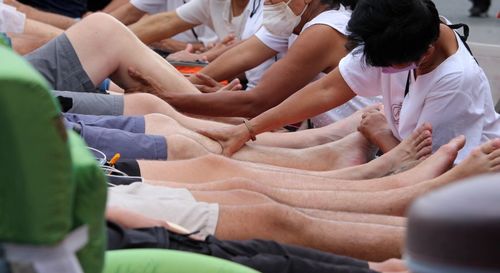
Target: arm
(298, 68)
(128, 14)
(56, 20)
(160, 26)
(316, 98)
(246, 55)
(115, 4)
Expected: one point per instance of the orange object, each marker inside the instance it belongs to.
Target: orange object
(115, 159)
(189, 68)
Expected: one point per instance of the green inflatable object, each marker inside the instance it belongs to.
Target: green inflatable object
(167, 261)
(36, 189)
(49, 186)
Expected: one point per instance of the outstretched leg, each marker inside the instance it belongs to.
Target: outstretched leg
(101, 59)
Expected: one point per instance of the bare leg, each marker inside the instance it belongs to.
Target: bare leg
(212, 168)
(284, 224)
(393, 202)
(317, 136)
(126, 51)
(348, 151)
(244, 197)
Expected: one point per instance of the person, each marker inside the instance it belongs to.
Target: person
(480, 8)
(300, 213)
(322, 31)
(262, 255)
(50, 14)
(25, 35)
(199, 37)
(445, 85)
(225, 18)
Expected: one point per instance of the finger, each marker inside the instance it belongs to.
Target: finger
(207, 79)
(202, 88)
(233, 84)
(228, 38)
(189, 48)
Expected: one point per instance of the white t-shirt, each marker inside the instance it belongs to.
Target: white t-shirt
(198, 34)
(11, 20)
(216, 14)
(336, 19)
(252, 26)
(455, 98)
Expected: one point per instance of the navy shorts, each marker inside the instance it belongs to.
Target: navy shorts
(118, 134)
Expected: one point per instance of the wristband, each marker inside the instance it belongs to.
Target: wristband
(250, 129)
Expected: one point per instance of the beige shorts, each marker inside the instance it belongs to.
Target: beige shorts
(174, 205)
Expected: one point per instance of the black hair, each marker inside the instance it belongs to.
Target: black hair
(393, 31)
(336, 3)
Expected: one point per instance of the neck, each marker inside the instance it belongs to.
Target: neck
(444, 47)
(238, 6)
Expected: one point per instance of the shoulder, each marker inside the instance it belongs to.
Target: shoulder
(335, 19)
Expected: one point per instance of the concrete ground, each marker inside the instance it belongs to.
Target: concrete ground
(482, 30)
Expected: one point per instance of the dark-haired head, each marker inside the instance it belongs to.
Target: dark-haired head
(393, 31)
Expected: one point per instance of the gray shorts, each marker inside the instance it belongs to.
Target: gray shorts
(58, 63)
(118, 134)
(93, 103)
(174, 205)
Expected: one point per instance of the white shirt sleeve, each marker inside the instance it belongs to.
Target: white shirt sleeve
(150, 6)
(447, 121)
(11, 20)
(196, 12)
(276, 43)
(363, 79)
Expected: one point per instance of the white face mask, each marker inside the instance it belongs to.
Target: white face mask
(280, 20)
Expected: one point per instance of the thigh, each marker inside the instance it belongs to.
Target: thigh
(132, 124)
(129, 145)
(93, 103)
(58, 62)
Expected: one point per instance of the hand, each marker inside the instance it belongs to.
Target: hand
(231, 138)
(146, 83)
(187, 55)
(227, 41)
(374, 124)
(209, 85)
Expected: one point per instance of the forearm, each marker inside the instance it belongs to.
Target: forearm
(215, 52)
(312, 100)
(159, 26)
(171, 45)
(237, 60)
(53, 19)
(220, 104)
(114, 5)
(127, 14)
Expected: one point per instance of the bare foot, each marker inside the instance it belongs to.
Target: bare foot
(352, 150)
(434, 165)
(350, 124)
(483, 159)
(391, 265)
(410, 151)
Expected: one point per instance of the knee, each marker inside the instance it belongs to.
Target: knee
(285, 219)
(147, 102)
(104, 25)
(161, 120)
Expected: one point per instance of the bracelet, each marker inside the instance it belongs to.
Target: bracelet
(250, 129)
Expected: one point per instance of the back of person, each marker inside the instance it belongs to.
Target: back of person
(337, 19)
(70, 8)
